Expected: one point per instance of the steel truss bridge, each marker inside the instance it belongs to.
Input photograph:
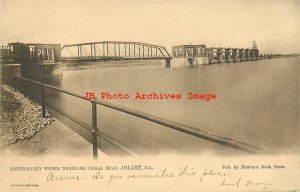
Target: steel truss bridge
(113, 50)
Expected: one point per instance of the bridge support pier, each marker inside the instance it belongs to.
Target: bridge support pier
(168, 63)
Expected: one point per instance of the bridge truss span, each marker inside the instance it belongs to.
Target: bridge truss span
(113, 50)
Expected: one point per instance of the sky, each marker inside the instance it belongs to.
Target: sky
(274, 25)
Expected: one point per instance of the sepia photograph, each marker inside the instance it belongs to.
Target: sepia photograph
(150, 95)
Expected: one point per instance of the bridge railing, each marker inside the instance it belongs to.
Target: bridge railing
(167, 123)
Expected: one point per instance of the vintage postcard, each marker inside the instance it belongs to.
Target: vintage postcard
(150, 95)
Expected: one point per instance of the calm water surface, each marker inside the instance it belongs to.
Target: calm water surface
(257, 102)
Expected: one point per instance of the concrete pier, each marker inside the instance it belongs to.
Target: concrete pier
(41, 70)
(191, 55)
(221, 55)
(228, 55)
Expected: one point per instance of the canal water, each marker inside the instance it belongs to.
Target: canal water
(257, 102)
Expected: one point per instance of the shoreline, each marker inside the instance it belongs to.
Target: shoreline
(21, 117)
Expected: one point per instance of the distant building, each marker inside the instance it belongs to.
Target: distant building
(37, 60)
(36, 53)
(189, 55)
(6, 55)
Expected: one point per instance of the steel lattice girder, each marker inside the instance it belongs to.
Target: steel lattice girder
(113, 50)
